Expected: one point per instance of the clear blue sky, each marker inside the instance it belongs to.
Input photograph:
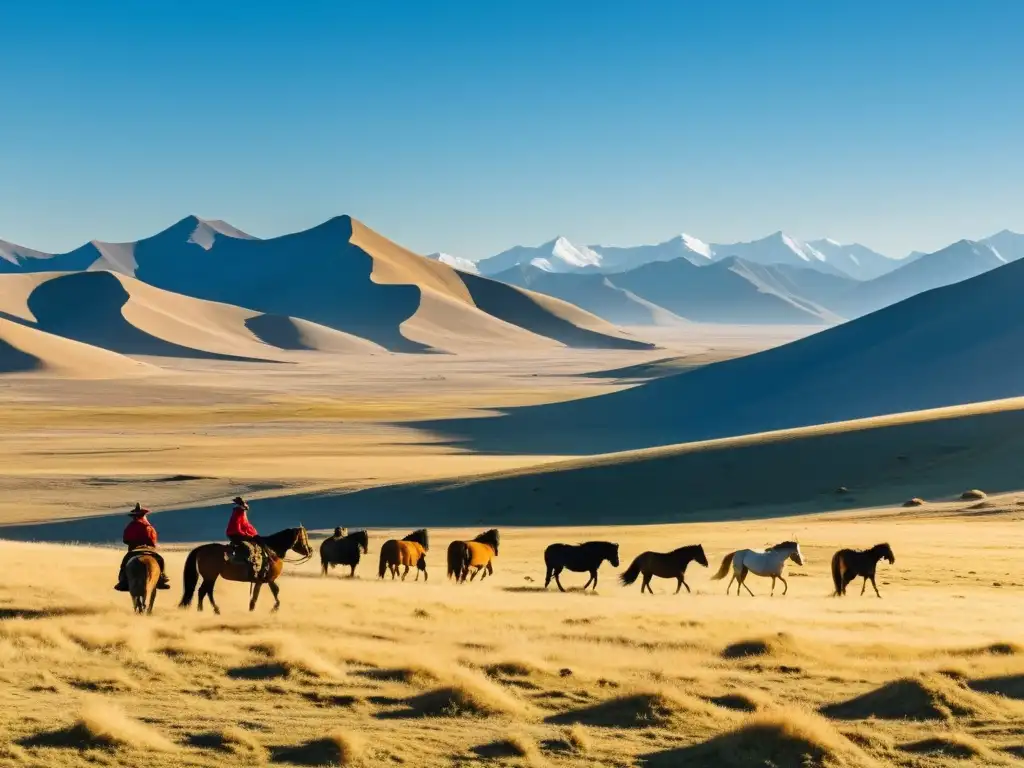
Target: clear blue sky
(470, 127)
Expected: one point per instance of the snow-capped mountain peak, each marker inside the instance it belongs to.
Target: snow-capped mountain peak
(697, 246)
(456, 262)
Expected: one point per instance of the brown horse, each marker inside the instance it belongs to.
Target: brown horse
(142, 573)
(211, 562)
(848, 564)
(410, 551)
(665, 565)
(477, 554)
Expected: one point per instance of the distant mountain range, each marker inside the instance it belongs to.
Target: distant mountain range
(560, 255)
(777, 279)
(312, 276)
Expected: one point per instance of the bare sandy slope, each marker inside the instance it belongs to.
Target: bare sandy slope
(25, 350)
(502, 673)
(122, 314)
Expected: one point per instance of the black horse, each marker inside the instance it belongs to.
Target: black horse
(343, 549)
(848, 564)
(580, 558)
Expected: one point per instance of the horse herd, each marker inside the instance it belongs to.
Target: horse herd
(467, 559)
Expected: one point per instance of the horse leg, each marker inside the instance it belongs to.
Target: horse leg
(488, 570)
(594, 579)
(728, 589)
(558, 580)
(275, 591)
(875, 586)
(682, 579)
(785, 585)
(353, 574)
(405, 572)
(773, 587)
(255, 595)
(209, 594)
(549, 573)
(679, 586)
(743, 582)
(647, 583)
(864, 586)
(152, 599)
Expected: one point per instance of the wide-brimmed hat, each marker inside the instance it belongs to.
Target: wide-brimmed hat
(139, 511)
(238, 500)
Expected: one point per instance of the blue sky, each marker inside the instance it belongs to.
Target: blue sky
(470, 127)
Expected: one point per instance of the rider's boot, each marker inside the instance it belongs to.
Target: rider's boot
(163, 583)
(122, 582)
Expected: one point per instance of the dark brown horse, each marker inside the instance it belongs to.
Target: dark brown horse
(211, 562)
(477, 554)
(343, 549)
(581, 558)
(848, 564)
(142, 573)
(665, 565)
(410, 551)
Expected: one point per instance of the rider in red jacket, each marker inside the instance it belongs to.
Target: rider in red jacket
(239, 527)
(140, 533)
(239, 530)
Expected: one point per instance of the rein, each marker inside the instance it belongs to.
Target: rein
(302, 558)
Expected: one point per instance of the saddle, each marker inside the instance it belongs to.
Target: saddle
(137, 551)
(252, 555)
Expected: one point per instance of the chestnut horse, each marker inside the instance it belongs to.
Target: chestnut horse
(665, 565)
(410, 551)
(211, 562)
(477, 554)
(142, 573)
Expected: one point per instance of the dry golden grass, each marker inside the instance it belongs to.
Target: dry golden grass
(509, 674)
(364, 672)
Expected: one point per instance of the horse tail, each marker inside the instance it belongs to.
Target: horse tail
(726, 564)
(456, 559)
(383, 562)
(190, 578)
(323, 562)
(837, 578)
(630, 575)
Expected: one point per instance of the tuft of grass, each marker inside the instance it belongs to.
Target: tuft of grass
(104, 726)
(342, 748)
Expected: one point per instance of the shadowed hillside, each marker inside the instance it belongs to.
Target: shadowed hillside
(953, 345)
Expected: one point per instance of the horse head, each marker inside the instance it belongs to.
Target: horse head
(887, 554)
(491, 537)
(301, 543)
(363, 540)
(700, 557)
(797, 556)
(613, 555)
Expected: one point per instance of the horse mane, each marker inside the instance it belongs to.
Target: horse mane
(489, 537)
(687, 548)
(783, 545)
(419, 536)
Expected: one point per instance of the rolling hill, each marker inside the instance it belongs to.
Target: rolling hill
(949, 346)
(593, 292)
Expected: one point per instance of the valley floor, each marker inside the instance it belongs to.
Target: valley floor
(368, 672)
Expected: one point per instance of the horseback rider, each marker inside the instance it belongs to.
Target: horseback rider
(140, 533)
(240, 531)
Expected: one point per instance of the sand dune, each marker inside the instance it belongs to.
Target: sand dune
(339, 275)
(28, 350)
(125, 315)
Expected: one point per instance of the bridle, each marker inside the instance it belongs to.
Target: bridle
(309, 550)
